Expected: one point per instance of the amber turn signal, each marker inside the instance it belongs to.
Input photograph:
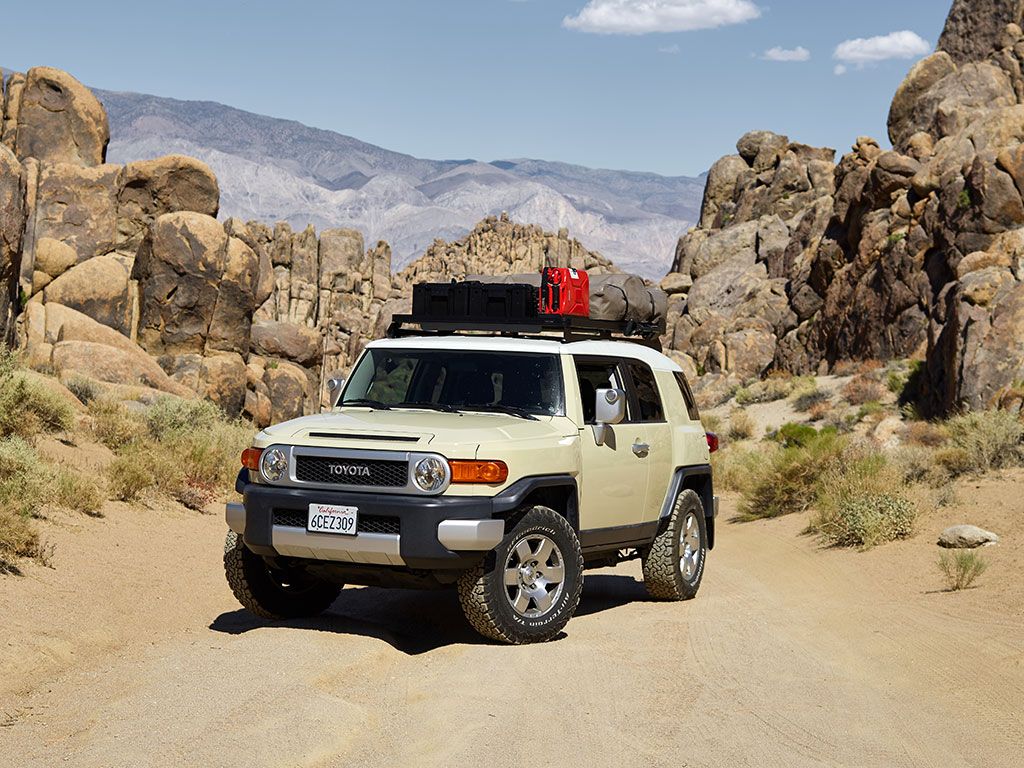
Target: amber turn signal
(490, 472)
(251, 458)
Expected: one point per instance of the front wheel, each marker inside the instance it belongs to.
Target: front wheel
(527, 589)
(674, 563)
(271, 593)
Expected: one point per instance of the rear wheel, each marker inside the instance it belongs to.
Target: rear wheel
(674, 563)
(270, 593)
(527, 589)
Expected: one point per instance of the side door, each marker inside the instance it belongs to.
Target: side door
(652, 415)
(613, 485)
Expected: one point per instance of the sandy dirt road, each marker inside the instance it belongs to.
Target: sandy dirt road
(133, 653)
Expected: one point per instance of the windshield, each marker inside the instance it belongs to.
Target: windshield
(453, 379)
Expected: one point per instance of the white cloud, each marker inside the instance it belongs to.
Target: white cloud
(840, 69)
(896, 45)
(786, 54)
(673, 49)
(640, 17)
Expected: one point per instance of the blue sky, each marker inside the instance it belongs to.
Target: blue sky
(581, 81)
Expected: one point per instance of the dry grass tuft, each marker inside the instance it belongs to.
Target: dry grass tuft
(961, 568)
(982, 441)
(861, 390)
(741, 425)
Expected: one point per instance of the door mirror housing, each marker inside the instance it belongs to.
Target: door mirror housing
(335, 383)
(609, 409)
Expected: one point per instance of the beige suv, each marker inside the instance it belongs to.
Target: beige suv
(502, 466)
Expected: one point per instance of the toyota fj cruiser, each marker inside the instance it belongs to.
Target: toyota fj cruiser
(502, 462)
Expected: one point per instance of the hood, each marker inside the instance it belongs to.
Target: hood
(413, 430)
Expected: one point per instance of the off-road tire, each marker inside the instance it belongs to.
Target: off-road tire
(256, 588)
(485, 598)
(663, 571)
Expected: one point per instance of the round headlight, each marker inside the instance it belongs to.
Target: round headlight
(430, 474)
(273, 464)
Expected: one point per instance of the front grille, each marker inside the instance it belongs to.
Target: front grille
(291, 518)
(351, 472)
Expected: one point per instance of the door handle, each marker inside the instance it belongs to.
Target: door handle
(641, 449)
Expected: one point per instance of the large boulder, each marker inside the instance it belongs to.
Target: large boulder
(287, 340)
(150, 188)
(975, 29)
(97, 288)
(115, 365)
(179, 268)
(236, 300)
(78, 206)
(59, 120)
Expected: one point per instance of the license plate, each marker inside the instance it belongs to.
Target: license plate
(328, 518)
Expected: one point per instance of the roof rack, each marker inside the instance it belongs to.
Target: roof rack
(569, 327)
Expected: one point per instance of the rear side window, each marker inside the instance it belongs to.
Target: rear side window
(688, 398)
(646, 389)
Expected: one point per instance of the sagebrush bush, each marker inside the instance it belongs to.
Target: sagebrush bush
(18, 538)
(981, 441)
(793, 434)
(861, 390)
(925, 433)
(741, 425)
(788, 481)
(82, 388)
(775, 387)
(808, 399)
(819, 411)
(868, 520)
(711, 422)
(27, 407)
(961, 568)
(184, 449)
(734, 466)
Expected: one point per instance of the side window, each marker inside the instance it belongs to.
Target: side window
(595, 375)
(647, 394)
(688, 398)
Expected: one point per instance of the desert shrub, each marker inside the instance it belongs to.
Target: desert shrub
(27, 407)
(981, 441)
(169, 417)
(806, 400)
(113, 425)
(184, 449)
(734, 466)
(925, 433)
(82, 388)
(869, 410)
(775, 387)
(741, 425)
(77, 491)
(915, 464)
(788, 481)
(867, 520)
(819, 411)
(961, 568)
(129, 475)
(793, 434)
(711, 422)
(861, 390)
(18, 538)
(858, 503)
(8, 362)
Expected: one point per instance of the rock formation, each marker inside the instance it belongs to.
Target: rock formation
(797, 264)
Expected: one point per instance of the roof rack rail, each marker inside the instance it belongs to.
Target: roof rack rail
(569, 327)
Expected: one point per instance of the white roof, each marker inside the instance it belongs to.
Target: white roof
(626, 349)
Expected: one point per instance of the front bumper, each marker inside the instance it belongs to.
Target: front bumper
(425, 532)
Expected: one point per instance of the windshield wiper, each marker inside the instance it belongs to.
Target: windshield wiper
(366, 402)
(511, 410)
(428, 406)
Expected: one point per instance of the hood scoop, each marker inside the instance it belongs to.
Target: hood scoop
(353, 436)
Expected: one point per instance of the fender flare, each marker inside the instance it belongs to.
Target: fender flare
(699, 479)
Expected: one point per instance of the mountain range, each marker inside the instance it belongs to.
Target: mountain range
(280, 170)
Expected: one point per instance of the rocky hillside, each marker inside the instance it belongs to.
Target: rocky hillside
(280, 170)
(122, 274)
(799, 262)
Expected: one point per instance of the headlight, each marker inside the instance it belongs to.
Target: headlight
(273, 465)
(430, 474)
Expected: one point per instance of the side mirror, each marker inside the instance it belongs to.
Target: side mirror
(610, 409)
(335, 384)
